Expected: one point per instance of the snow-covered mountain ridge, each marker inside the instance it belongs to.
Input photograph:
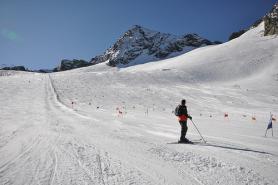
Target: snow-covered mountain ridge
(244, 57)
(140, 45)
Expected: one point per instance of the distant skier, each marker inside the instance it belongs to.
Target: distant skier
(181, 112)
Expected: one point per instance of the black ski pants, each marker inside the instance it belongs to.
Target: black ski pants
(183, 129)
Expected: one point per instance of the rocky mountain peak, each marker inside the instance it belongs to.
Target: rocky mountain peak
(140, 45)
(138, 29)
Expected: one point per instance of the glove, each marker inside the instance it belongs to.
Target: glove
(190, 117)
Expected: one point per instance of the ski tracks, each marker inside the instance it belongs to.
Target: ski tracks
(34, 165)
(17, 159)
(201, 167)
(79, 161)
(98, 166)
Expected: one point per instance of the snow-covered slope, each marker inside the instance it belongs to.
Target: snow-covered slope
(245, 56)
(103, 125)
(141, 45)
(246, 63)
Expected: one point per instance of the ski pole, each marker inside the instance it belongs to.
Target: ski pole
(198, 131)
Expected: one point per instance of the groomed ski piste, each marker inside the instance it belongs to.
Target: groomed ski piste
(104, 125)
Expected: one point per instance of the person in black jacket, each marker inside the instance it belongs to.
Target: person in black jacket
(182, 116)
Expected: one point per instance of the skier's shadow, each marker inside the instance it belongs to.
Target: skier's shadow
(235, 148)
(226, 147)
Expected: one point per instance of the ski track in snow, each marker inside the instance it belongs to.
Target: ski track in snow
(61, 162)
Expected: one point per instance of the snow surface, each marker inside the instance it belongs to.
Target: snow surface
(65, 128)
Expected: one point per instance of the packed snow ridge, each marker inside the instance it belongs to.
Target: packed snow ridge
(141, 45)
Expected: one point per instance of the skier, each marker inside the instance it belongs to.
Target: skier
(181, 112)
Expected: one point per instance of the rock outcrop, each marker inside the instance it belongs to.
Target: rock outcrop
(236, 34)
(271, 21)
(71, 64)
(15, 68)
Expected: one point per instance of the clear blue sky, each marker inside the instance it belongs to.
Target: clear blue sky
(39, 33)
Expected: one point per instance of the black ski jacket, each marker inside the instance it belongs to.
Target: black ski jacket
(183, 110)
